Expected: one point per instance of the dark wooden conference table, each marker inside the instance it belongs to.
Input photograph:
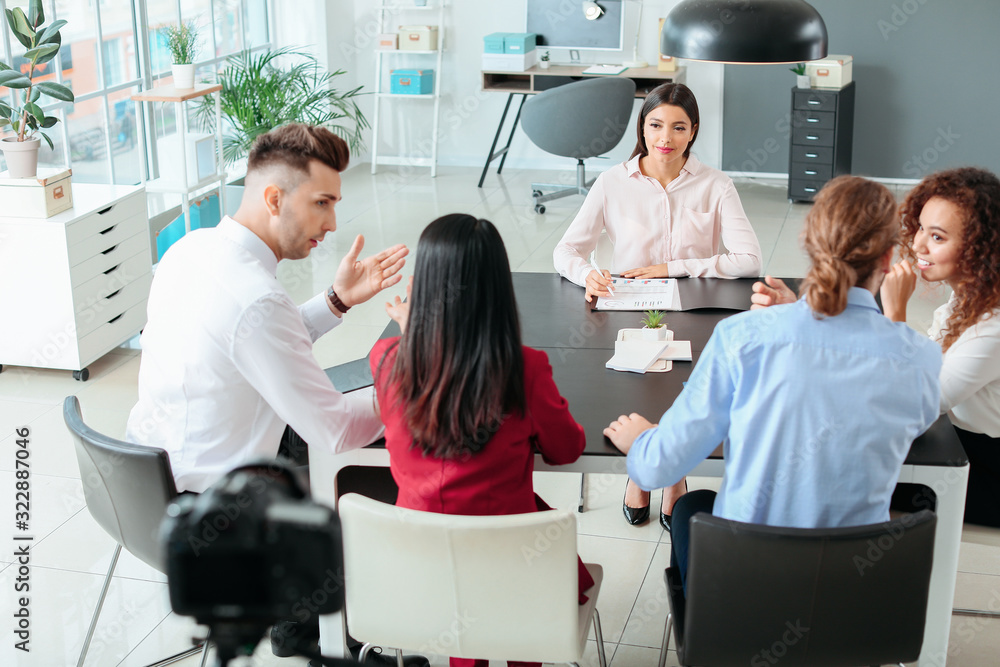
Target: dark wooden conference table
(579, 341)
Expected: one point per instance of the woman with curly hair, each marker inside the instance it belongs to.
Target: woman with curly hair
(951, 234)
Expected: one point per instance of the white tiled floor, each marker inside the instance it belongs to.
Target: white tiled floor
(71, 553)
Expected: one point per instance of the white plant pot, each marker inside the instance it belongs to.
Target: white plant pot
(802, 81)
(183, 76)
(659, 333)
(21, 156)
(543, 64)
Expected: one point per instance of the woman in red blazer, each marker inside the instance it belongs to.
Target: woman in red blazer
(465, 405)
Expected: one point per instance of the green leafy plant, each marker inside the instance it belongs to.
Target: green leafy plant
(182, 41)
(258, 95)
(799, 69)
(26, 117)
(544, 57)
(653, 319)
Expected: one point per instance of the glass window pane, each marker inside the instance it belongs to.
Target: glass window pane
(124, 137)
(79, 52)
(200, 13)
(87, 148)
(256, 23)
(160, 13)
(228, 27)
(120, 58)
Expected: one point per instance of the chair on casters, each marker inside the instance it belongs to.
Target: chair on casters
(828, 596)
(488, 587)
(579, 120)
(127, 488)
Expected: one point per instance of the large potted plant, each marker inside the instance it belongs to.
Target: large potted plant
(26, 117)
(182, 41)
(259, 95)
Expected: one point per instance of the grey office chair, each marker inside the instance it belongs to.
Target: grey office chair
(127, 488)
(579, 120)
(831, 596)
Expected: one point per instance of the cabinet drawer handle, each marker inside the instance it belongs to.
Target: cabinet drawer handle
(115, 267)
(812, 120)
(102, 212)
(109, 229)
(109, 250)
(115, 319)
(809, 172)
(812, 155)
(812, 137)
(809, 189)
(113, 294)
(815, 103)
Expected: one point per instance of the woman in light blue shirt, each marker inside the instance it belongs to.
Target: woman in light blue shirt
(804, 396)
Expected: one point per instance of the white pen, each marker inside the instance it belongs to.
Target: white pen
(598, 269)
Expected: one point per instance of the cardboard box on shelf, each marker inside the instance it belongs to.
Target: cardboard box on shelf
(830, 72)
(509, 62)
(48, 193)
(418, 37)
(411, 81)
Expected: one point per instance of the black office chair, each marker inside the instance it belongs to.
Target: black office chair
(580, 120)
(127, 488)
(830, 596)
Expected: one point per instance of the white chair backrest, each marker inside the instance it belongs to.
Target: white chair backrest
(492, 587)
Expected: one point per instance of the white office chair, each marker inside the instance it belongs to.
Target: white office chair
(488, 587)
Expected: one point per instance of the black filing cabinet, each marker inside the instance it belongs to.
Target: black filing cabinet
(822, 132)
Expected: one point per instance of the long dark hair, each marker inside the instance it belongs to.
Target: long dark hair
(676, 94)
(976, 193)
(459, 368)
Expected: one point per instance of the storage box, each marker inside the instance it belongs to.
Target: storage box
(418, 38)
(519, 42)
(411, 81)
(387, 41)
(48, 193)
(199, 151)
(494, 42)
(509, 62)
(830, 72)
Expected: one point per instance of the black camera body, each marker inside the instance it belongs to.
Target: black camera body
(253, 549)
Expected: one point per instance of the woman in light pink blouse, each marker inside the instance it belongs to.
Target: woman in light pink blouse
(668, 215)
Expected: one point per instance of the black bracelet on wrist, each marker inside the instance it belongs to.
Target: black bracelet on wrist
(335, 300)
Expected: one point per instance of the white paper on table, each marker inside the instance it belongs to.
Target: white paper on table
(642, 294)
(636, 355)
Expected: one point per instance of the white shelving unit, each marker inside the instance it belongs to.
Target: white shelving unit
(387, 13)
(183, 185)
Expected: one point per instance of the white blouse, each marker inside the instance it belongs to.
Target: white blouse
(970, 375)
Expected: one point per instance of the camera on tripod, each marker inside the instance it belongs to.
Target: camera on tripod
(252, 550)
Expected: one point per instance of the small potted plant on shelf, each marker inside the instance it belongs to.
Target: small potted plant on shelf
(801, 78)
(182, 41)
(543, 60)
(26, 117)
(653, 326)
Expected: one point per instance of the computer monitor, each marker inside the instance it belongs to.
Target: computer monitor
(562, 24)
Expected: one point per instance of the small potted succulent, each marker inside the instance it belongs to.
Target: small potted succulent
(801, 78)
(653, 326)
(543, 60)
(182, 41)
(26, 117)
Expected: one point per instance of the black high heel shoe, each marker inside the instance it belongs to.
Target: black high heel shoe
(665, 518)
(634, 515)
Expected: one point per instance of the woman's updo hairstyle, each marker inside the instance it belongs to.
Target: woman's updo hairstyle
(852, 224)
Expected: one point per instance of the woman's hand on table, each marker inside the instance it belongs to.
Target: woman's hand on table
(896, 290)
(399, 310)
(654, 271)
(623, 431)
(597, 284)
(771, 292)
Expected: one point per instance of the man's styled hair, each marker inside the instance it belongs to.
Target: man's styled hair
(294, 145)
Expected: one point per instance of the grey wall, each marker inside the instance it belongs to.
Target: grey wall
(928, 91)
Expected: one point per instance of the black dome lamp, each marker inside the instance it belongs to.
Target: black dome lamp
(744, 31)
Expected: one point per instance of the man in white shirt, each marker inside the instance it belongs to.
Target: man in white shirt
(226, 354)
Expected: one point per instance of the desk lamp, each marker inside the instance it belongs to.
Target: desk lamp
(744, 31)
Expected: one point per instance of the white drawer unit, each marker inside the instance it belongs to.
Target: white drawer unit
(74, 286)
